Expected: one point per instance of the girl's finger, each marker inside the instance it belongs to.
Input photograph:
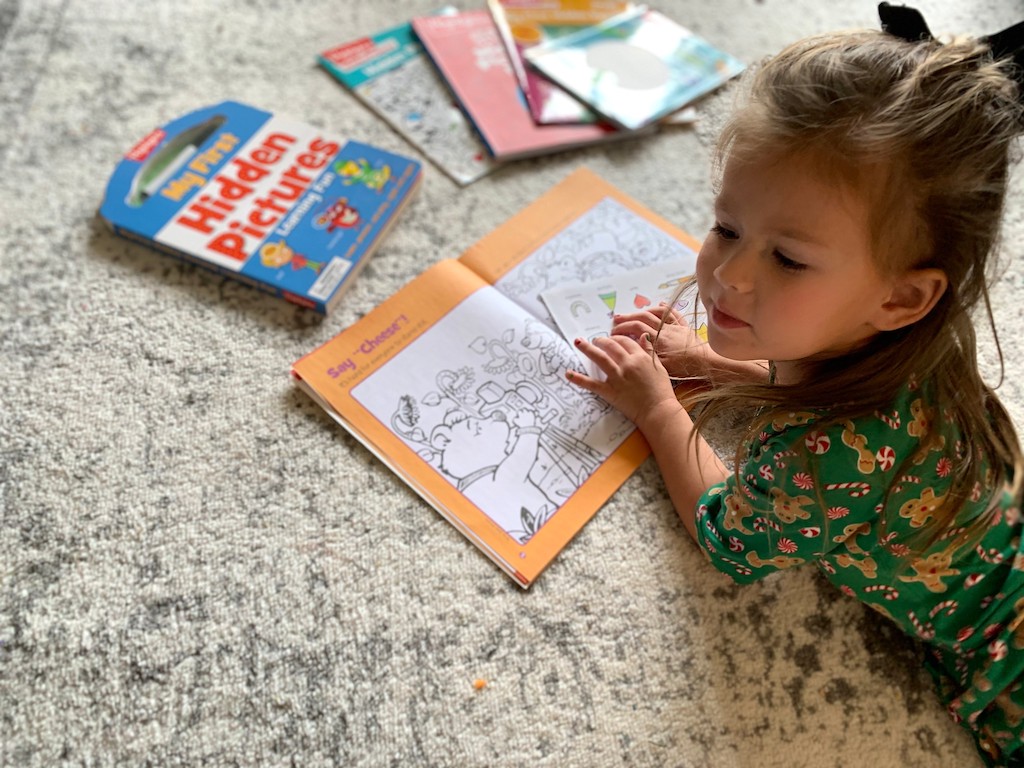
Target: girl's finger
(595, 351)
(646, 318)
(582, 380)
(632, 329)
(618, 348)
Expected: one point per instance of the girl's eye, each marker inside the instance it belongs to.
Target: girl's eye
(787, 263)
(724, 232)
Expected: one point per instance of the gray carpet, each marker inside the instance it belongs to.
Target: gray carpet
(197, 567)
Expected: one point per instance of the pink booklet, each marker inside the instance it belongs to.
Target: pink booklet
(524, 24)
(469, 53)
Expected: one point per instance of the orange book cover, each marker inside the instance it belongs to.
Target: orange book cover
(457, 382)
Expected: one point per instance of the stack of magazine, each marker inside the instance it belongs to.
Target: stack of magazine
(520, 78)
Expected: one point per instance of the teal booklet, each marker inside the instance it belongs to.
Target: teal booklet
(391, 74)
(634, 68)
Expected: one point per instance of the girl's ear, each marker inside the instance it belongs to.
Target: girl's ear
(913, 295)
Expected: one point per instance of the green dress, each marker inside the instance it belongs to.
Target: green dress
(812, 493)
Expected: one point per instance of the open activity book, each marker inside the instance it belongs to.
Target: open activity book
(457, 382)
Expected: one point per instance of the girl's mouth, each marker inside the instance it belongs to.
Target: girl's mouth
(725, 320)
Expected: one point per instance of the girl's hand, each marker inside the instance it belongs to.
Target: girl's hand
(683, 353)
(638, 385)
(636, 382)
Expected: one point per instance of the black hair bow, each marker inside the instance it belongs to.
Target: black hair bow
(908, 23)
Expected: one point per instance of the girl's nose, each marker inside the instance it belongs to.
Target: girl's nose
(736, 271)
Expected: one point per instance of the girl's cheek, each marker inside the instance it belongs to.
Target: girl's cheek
(707, 259)
(705, 275)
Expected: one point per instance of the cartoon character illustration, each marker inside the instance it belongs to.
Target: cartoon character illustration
(492, 459)
(607, 240)
(361, 172)
(501, 434)
(276, 255)
(337, 215)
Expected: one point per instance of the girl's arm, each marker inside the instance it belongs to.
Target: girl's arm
(687, 468)
(638, 385)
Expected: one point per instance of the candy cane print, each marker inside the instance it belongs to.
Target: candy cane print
(924, 631)
(962, 669)
(973, 579)
(763, 523)
(953, 533)
(781, 456)
(889, 593)
(946, 606)
(954, 715)
(907, 479)
(893, 422)
(856, 489)
(993, 556)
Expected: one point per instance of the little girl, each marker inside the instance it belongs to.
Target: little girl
(859, 199)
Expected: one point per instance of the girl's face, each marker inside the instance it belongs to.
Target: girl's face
(787, 273)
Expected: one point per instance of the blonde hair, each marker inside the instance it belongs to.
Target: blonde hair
(926, 130)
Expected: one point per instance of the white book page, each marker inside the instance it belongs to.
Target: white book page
(608, 239)
(482, 397)
(585, 310)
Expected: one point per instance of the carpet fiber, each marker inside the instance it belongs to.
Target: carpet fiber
(198, 567)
